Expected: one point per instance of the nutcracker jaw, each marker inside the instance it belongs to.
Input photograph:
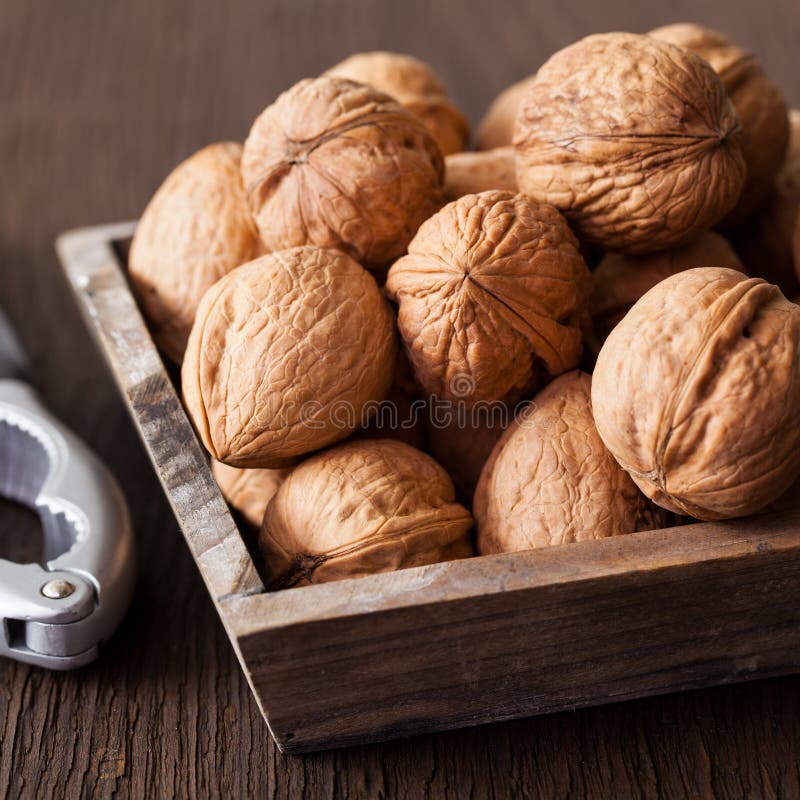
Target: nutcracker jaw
(57, 614)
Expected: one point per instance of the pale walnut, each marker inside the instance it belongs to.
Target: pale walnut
(470, 173)
(758, 102)
(414, 85)
(359, 509)
(550, 480)
(620, 280)
(697, 393)
(248, 490)
(284, 354)
(463, 446)
(765, 240)
(340, 164)
(195, 230)
(634, 139)
(490, 296)
(496, 129)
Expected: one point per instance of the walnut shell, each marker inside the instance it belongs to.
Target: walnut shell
(470, 173)
(550, 479)
(195, 229)
(496, 129)
(285, 353)
(633, 139)
(620, 280)
(765, 240)
(339, 164)
(248, 490)
(758, 102)
(697, 393)
(362, 508)
(492, 285)
(463, 446)
(414, 85)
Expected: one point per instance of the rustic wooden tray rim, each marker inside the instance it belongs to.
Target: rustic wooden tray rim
(256, 620)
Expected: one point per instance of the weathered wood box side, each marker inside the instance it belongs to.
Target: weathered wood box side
(466, 642)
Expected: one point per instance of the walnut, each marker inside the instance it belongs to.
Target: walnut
(496, 129)
(620, 280)
(765, 240)
(248, 490)
(414, 85)
(633, 139)
(490, 297)
(470, 173)
(285, 353)
(758, 102)
(195, 230)
(339, 164)
(697, 393)
(463, 446)
(362, 508)
(550, 480)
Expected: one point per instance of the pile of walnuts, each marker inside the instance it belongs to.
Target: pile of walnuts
(577, 330)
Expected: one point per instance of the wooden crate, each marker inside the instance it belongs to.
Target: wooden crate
(462, 643)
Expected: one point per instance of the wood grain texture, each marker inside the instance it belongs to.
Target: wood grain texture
(499, 637)
(462, 642)
(100, 100)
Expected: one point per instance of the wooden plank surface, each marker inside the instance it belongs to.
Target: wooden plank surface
(99, 101)
(500, 637)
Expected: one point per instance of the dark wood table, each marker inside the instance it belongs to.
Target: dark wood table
(97, 102)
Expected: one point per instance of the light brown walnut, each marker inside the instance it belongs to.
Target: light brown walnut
(550, 480)
(765, 240)
(339, 164)
(697, 393)
(491, 297)
(620, 280)
(470, 173)
(285, 354)
(248, 490)
(758, 102)
(359, 509)
(414, 85)
(633, 139)
(195, 230)
(496, 129)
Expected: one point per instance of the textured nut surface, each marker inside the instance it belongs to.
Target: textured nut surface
(462, 448)
(362, 508)
(248, 490)
(284, 354)
(470, 173)
(496, 129)
(550, 480)
(620, 280)
(633, 139)
(414, 85)
(697, 393)
(493, 287)
(195, 230)
(758, 102)
(765, 240)
(340, 164)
